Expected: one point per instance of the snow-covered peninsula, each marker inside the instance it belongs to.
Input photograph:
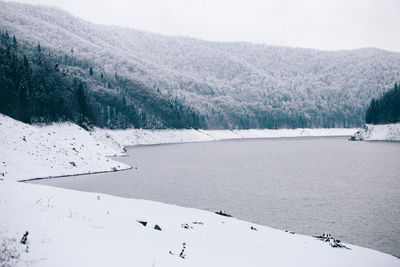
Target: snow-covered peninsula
(46, 226)
(383, 132)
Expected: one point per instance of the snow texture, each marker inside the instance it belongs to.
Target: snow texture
(29, 152)
(384, 132)
(70, 228)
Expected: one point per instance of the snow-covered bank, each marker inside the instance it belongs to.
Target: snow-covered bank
(45, 226)
(62, 149)
(384, 132)
(54, 150)
(70, 228)
(134, 137)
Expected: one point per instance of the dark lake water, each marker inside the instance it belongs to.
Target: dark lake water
(307, 185)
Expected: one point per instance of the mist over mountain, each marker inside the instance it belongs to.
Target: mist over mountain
(215, 84)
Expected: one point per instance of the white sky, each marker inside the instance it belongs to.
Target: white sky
(321, 24)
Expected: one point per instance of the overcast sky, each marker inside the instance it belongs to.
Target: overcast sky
(321, 24)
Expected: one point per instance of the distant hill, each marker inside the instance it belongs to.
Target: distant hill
(218, 85)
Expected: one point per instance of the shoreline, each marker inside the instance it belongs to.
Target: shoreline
(71, 175)
(84, 223)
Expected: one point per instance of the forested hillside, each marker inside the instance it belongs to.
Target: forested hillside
(201, 83)
(38, 86)
(385, 109)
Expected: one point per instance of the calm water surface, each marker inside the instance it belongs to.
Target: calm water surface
(308, 185)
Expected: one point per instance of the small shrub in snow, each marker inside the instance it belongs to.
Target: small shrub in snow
(9, 254)
(24, 238)
(182, 254)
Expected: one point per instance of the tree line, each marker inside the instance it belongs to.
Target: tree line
(37, 85)
(33, 89)
(385, 109)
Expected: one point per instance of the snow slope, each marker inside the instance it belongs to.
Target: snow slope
(29, 152)
(134, 137)
(70, 228)
(384, 132)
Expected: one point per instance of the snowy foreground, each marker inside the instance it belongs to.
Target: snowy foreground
(384, 132)
(70, 228)
(45, 226)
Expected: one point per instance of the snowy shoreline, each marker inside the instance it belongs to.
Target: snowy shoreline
(103, 230)
(71, 175)
(382, 132)
(65, 149)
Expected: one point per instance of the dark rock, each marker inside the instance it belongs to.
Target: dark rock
(156, 227)
(223, 213)
(253, 228)
(333, 242)
(186, 226)
(142, 223)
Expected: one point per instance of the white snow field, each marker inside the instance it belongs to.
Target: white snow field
(70, 228)
(29, 152)
(384, 132)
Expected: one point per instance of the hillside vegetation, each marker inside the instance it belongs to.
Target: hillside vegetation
(385, 109)
(38, 86)
(184, 82)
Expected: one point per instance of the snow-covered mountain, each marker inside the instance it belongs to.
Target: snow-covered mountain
(231, 84)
